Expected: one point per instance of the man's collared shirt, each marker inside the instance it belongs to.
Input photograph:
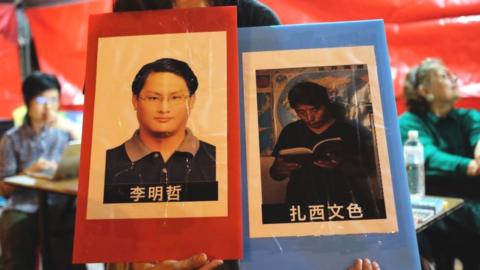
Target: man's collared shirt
(136, 149)
(20, 148)
(133, 163)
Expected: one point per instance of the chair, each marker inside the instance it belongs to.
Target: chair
(5, 124)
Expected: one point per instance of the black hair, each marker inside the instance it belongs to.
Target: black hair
(308, 93)
(35, 84)
(313, 94)
(171, 65)
(137, 5)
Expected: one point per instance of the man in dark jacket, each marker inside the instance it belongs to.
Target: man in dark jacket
(342, 164)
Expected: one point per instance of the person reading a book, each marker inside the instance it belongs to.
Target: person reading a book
(327, 159)
(163, 149)
(451, 140)
(36, 145)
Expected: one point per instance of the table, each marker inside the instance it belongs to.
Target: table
(44, 186)
(67, 186)
(451, 205)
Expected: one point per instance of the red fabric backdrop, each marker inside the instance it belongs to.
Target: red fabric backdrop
(10, 93)
(60, 34)
(415, 30)
(449, 30)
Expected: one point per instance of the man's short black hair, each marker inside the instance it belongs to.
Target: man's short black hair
(171, 65)
(313, 94)
(308, 93)
(37, 83)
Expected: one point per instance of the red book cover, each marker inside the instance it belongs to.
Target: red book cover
(160, 161)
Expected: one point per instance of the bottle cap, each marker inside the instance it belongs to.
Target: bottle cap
(413, 134)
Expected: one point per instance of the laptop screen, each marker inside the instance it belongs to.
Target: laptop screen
(68, 165)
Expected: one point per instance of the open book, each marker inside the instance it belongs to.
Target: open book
(325, 150)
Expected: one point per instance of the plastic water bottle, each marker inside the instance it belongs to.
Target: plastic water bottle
(415, 162)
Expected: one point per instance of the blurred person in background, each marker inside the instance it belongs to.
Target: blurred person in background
(36, 145)
(451, 140)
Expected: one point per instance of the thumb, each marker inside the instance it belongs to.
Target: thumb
(194, 262)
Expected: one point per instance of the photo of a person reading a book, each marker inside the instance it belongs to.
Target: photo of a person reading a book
(163, 151)
(327, 159)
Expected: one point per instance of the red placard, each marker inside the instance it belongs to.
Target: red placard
(206, 39)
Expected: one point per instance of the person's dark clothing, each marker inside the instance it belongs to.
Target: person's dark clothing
(344, 184)
(253, 13)
(152, 169)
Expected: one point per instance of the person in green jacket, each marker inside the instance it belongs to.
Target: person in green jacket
(451, 140)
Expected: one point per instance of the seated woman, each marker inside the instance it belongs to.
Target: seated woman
(35, 146)
(451, 139)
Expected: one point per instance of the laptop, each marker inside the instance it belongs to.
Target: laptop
(68, 165)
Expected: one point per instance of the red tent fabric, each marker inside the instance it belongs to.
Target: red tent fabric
(10, 92)
(455, 40)
(415, 29)
(398, 11)
(60, 34)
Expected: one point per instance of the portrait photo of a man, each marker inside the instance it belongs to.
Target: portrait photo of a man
(160, 146)
(163, 150)
(159, 127)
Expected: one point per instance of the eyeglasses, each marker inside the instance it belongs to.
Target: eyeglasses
(44, 100)
(450, 77)
(173, 100)
(423, 72)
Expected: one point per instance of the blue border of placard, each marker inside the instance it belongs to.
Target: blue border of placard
(395, 251)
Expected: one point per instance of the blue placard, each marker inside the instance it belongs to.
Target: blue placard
(394, 246)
